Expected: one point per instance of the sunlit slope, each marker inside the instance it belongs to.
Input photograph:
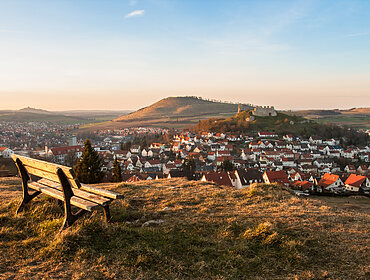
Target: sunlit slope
(180, 107)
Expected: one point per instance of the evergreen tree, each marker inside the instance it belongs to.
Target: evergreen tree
(143, 143)
(227, 165)
(117, 173)
(189, 165)
(127, 145)
(88, 168)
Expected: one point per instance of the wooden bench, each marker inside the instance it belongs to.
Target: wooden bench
(60, 182)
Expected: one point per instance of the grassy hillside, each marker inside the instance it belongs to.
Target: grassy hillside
(171, 112)
(202, 231)
(20, 116)
(180, 107)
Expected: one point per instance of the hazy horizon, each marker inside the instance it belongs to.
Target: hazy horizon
(125, 55)
(134, 109)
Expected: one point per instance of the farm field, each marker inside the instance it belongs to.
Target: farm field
(356, 118)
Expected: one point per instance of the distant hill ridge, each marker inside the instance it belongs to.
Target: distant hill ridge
(179, 107)
(36, 111)
(30, 114)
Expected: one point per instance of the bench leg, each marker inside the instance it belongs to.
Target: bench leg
(25, 178)
(26, 198)
(106, 213)
(69, 217)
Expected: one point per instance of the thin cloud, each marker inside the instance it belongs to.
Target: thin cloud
(358, 34)
(137, 13)
(133, 2)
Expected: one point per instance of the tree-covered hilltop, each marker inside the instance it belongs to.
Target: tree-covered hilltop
(246, 122)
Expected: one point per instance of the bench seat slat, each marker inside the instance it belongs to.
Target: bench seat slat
(102, 192)
(77, 192)
(76, 201)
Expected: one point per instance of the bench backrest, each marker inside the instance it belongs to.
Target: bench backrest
(47, 170)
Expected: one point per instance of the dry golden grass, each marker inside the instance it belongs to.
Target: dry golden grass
(202, 231)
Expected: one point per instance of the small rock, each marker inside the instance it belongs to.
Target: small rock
(152, 222)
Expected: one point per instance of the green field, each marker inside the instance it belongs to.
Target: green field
(350, 121)
(355, 118)
(19, 116)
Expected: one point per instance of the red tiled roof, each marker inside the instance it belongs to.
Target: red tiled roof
(154, 161)
(220, 178)
(221, 159)
(121, 152)
(328, 179)
(355, 180)
(277, 176)
(305, 185)
(266, 133)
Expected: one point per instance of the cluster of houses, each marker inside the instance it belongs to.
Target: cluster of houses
(309, 165)
(28, 137)
(327, 183)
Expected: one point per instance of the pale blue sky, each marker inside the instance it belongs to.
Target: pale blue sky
(86, 54)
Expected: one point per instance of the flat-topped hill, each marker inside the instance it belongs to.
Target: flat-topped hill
(176, 229)
(180, 107)
(35, 111)
(171, 112)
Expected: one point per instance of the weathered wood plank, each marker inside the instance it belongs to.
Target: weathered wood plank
(47, 175)
(76, 201)
(78, 192)
(46, 166)
(40, 173)
(102, 192)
